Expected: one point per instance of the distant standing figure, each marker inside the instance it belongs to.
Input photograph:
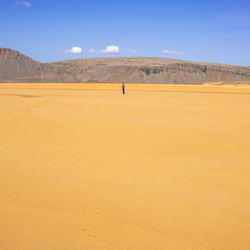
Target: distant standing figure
(123, 88)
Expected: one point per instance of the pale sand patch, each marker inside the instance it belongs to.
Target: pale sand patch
(163, 167)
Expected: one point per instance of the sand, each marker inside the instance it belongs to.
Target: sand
(163, 167)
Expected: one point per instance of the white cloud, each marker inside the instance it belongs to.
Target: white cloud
(93, 51)
(133, 51)
(112, 49)
(74, 50)
(171, 52)
(23, 3)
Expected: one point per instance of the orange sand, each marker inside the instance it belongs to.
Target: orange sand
(164, 167)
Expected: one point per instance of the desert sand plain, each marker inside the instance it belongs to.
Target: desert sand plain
(163, 167)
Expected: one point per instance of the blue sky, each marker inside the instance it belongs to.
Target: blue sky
(47, 30)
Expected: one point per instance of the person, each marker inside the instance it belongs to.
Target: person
(123, 88)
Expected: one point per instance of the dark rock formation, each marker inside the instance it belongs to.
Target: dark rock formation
(15, 67)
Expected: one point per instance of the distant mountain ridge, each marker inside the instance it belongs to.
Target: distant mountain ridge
(16, 67)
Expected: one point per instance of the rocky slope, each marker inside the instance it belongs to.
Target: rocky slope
(15, 67)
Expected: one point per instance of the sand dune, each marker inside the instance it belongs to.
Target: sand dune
(163, 167)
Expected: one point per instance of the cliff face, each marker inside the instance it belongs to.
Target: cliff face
(148, 70)
(15, 67)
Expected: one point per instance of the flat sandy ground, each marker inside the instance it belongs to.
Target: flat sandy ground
(163, 167)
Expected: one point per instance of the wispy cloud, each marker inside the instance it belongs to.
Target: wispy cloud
(133, 51)
(74, 50)
(93, 51)
(208, 53)
(22, 3)
(171, 52)
(112, 49)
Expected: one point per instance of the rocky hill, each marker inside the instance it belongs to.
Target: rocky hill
(15, 67)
